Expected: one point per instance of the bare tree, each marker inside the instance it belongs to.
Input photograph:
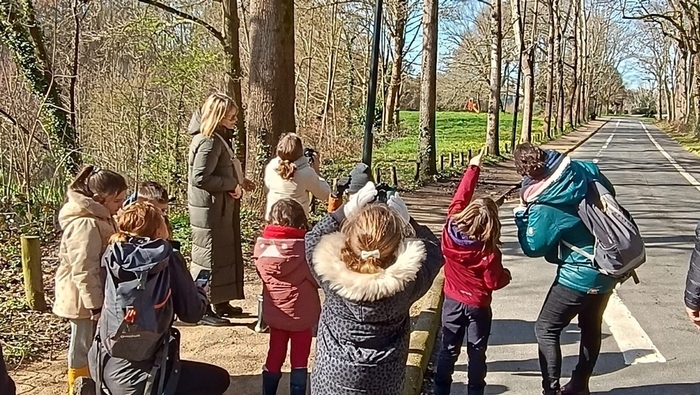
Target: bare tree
(398, 35)
(492, 126)
(271, 80)
(21, 33)
(427, 154)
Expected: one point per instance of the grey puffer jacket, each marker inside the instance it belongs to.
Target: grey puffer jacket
(362, 342)
(211, 175)
(692, 283)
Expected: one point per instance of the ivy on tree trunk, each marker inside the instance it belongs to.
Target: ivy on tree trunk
(20, 33)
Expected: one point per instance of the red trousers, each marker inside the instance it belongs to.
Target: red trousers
(300, 350)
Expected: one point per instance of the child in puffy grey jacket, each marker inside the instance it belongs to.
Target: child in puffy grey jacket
(372, 270)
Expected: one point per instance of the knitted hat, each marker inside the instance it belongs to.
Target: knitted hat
(359, 176)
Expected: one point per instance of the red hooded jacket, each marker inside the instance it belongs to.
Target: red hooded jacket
(471, 274)
(290, 292)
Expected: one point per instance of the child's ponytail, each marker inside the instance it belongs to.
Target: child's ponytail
(289, 149)
(286, 169)
(79, 184)
(93, 180)
(373, 239)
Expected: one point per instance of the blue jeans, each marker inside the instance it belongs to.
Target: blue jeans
(458, 320)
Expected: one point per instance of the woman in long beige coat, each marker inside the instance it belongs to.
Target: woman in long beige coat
(214, 183)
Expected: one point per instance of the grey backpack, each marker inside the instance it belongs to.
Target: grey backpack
(138, 310)
(619, 247)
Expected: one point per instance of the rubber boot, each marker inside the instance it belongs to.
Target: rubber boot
(73, 374)
(297, 381)
(270, 382)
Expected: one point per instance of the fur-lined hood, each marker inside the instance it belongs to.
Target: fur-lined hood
(366, 287)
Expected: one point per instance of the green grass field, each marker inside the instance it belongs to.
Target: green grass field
(456, 132)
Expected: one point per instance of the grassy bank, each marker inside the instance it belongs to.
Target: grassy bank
(686, 139)
(456, 132)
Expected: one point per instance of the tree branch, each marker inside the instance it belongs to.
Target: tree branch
(211, 29)
(10, 119)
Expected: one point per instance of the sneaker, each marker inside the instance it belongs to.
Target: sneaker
(225, 310)
(211, 319)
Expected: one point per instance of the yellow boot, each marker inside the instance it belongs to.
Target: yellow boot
(73, 374)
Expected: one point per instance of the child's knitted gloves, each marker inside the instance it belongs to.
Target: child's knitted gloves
(359, 200)
(399, 207)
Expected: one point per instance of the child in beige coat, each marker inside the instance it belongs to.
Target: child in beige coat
(86, 219)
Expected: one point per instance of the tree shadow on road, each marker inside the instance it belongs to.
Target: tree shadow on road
(607, 363)
(656, 389)
(508, 332)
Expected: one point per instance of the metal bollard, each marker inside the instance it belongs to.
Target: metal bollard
(260, 326)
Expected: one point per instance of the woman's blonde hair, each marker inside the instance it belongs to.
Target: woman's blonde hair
(215, 108)
(373, 239)
(479, 221)
(289, 149)
(138, 219)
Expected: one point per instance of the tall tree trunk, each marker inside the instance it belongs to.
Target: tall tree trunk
(231, 25)
(426, 142)
(529, 75)
(660, 99)
(399, 38)
(585, 89)
(271, 81)
(549, 105)
(561, 54)
(696, 96)
(492, 137)
(574, 63)
(233, 77)
(20, 32)
(519, 16)
(669, 102)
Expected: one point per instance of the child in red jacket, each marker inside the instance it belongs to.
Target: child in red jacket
(473, 270)
(291, 306)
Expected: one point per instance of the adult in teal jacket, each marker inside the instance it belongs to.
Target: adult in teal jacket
(548, 224)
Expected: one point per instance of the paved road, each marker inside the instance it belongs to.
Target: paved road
(647, 325)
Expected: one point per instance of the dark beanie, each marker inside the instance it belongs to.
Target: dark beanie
(359, 177)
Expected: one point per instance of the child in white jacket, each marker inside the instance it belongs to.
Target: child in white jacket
(290, 175)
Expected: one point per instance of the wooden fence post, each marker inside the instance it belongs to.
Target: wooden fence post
(461, 158)
(377, 175)
(394, 176)
(442, 162)
(470, 154)
(452, 159)
(417, 176)
(31, 267)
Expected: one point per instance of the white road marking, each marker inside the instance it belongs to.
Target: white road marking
(632, 340)
(605, 146)
(673, 162)
(635, 344)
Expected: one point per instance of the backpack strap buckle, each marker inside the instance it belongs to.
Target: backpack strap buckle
(130, 315)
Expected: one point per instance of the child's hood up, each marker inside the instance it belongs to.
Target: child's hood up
(81, 206)
(137, 252)
(280, 256)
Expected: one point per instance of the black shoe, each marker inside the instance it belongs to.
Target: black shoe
(475, 390)
(225, 310)
(211, 319)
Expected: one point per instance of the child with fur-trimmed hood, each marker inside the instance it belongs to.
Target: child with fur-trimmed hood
(371, 269)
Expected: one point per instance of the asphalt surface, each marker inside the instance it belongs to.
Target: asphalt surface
(666, 206)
